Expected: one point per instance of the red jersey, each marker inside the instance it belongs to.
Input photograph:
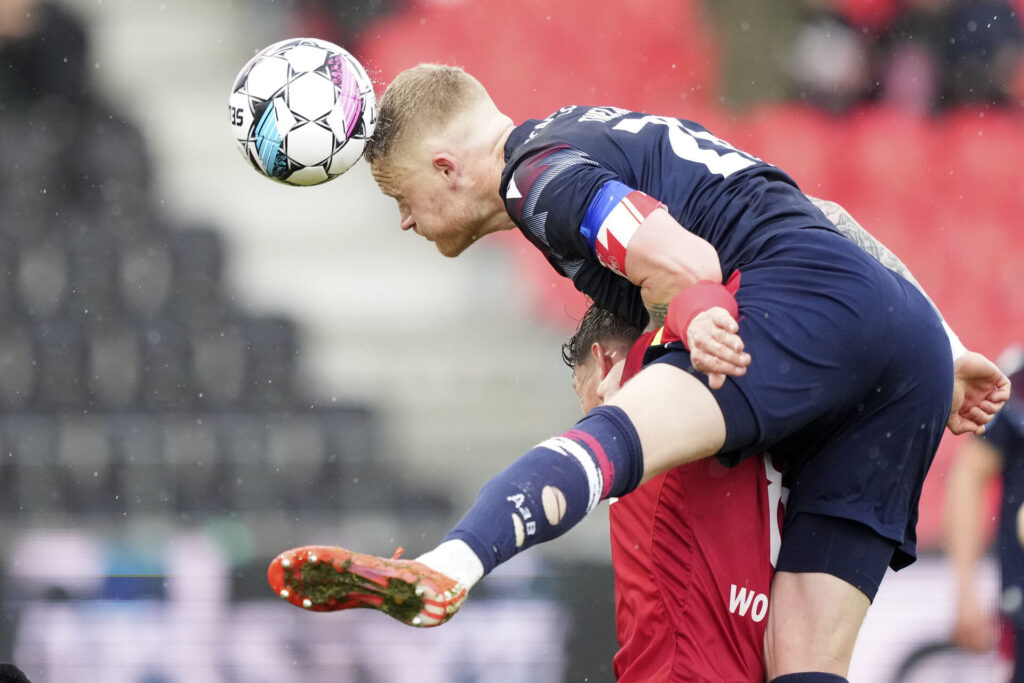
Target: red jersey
(693, 551)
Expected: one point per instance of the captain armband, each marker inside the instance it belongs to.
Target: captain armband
(611, 220)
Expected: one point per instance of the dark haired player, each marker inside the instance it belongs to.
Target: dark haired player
(843, 367)
(691, 589)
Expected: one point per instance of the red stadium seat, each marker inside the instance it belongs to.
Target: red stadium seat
(983, 150)
(800, 139)
(885, 162)
(639, 55)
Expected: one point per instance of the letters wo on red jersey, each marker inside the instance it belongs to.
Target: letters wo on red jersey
(693, 551)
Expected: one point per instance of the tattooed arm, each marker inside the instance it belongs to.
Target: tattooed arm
(853, 231)
(657, 313)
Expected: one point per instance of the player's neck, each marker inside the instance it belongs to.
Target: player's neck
(498, 152)
(498, 220)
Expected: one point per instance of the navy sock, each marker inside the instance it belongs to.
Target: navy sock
(551, 488)
(809, 677)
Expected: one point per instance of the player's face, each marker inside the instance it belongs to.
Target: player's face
(597, 378)
(585, 379)
(429, 207)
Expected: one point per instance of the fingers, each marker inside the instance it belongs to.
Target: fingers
(1001, 393)
(979, 416)
(723, 319)
(958, 425)
(709, 364)
(716, 347)
(990, 407)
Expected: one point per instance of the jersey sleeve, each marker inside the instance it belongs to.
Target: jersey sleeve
(612, 292)
(548, 194)
(576, 207)
(581, 216)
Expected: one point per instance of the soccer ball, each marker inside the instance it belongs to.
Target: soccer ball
(302, 110)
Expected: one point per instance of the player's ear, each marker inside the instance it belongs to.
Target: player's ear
(448, 166)
(603, 356)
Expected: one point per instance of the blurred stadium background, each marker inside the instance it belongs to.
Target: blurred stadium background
(200, 368)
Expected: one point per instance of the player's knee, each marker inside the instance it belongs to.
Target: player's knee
(813, 622)
(611, 441)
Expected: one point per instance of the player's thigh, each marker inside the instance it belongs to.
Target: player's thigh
(675, 415)
(813, 622)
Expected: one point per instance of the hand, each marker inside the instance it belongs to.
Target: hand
(715, 346)
(974, 628)
(979, 390)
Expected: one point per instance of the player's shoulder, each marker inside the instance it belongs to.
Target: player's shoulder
(575, 135)
(568, 126)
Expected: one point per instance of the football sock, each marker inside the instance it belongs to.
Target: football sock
(455, 559)
(551, 488)
(809, 677)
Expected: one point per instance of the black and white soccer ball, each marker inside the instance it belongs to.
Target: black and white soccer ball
(302, 110)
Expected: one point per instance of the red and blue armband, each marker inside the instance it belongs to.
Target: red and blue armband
(612, 217)
(698, 298)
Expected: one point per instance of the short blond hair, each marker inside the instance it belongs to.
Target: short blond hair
(424, 98)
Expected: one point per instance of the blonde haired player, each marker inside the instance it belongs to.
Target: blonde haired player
(794, 339)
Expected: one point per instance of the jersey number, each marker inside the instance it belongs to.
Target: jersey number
(723, 158)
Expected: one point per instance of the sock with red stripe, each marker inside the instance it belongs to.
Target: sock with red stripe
(551, 488)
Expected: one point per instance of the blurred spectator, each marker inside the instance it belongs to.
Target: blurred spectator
(983, 52)
(911, 71)
(921, 55)
(945, 53)
(831, 62)
(42, 53)
(998, 455)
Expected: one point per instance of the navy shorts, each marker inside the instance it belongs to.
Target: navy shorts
(849, 385)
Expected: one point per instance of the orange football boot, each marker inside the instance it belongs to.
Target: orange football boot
(328, 579)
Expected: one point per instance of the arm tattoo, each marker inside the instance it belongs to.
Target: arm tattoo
(853, 231)
(657, 313)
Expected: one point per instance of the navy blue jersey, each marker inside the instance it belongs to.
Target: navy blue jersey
(1006, 434)
(556, 169)
(857, 416)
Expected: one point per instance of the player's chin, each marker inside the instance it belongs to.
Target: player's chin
(452, 248)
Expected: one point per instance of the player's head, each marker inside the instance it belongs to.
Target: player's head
(437, 149)
(601, 340)
(420, 102)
